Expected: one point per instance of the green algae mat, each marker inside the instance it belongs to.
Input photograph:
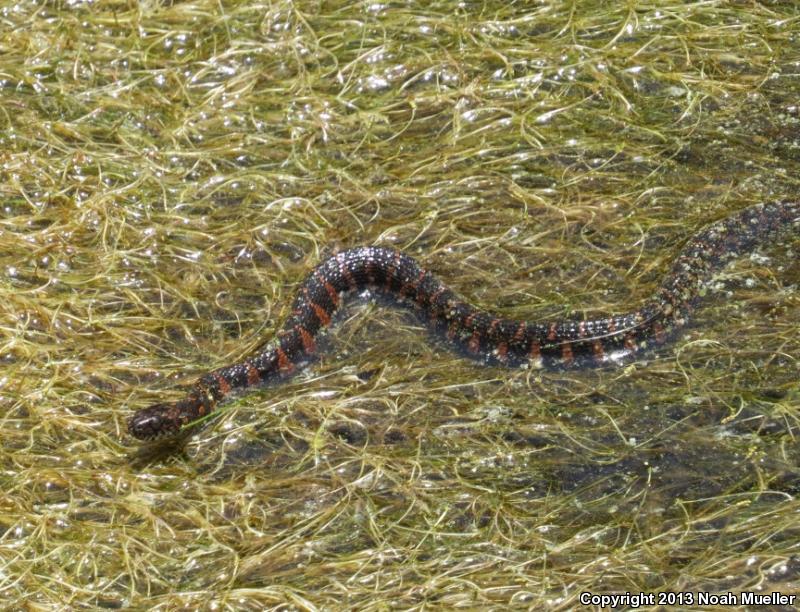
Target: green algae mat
(171, 172)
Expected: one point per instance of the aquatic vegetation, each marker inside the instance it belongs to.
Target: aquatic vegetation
(170, 170)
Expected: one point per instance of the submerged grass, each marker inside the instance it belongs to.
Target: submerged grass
(169, 172)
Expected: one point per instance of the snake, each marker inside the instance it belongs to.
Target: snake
(471, 331)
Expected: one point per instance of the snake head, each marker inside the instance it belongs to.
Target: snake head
(157, 421)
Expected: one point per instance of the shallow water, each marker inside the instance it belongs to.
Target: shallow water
(169, 175)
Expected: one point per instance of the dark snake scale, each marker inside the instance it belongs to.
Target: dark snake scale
(477, 333)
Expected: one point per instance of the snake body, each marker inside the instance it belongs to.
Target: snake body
(474, 332)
